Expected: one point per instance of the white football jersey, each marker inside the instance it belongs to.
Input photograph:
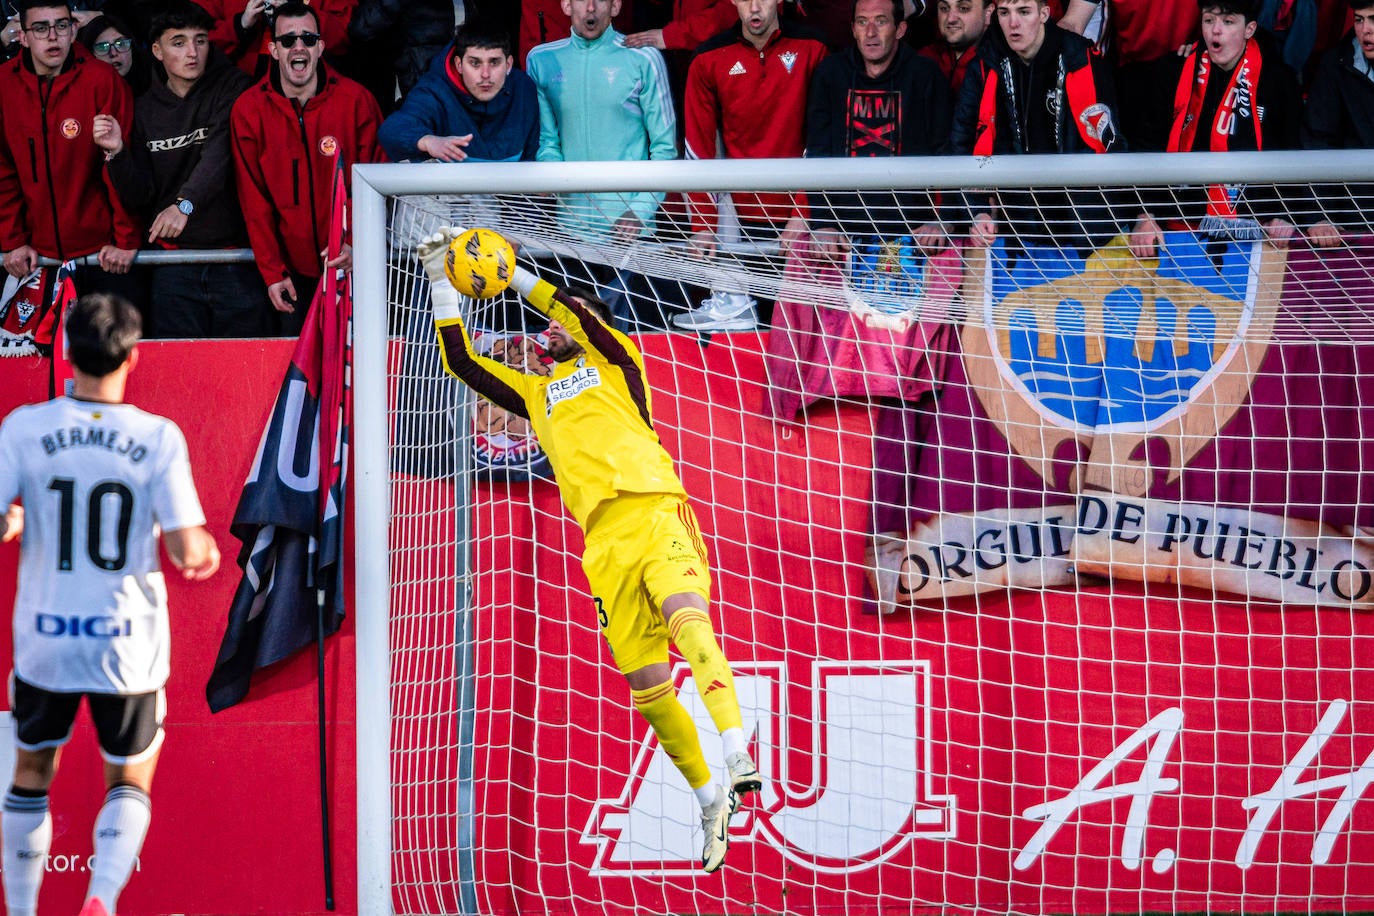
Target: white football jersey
(98, 481)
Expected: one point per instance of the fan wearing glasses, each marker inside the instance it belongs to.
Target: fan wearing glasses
(110, 39)
(244, 29)
(286, 132)
(51, 172)
(117, 49)
(176, 171)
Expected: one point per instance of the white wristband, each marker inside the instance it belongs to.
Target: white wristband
(444, 301)
(523, 282)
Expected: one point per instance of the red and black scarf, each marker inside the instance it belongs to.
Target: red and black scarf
(1236, 111)
(1237, 108)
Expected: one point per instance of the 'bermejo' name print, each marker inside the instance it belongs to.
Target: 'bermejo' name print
(93, 437)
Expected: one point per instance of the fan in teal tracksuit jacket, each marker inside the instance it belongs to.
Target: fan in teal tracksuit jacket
(504, 129)
(602, 101)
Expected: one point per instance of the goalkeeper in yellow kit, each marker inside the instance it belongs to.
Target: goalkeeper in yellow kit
(644, 557)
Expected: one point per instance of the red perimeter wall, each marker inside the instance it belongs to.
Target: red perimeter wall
(236, 825)
(236, 811)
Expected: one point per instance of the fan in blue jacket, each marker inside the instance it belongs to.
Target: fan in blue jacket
(472, 105)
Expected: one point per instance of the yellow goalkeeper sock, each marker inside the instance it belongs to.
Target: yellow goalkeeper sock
(676, 731)
(691, 632)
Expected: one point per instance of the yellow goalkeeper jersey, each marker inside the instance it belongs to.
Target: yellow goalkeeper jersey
(592, 415)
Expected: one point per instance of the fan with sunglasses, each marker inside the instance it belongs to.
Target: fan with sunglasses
(288, 41)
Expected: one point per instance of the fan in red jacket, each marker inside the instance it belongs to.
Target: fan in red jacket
(748, 87)
(55, 201)
(693, 22)
(243, 29)
(286, 131)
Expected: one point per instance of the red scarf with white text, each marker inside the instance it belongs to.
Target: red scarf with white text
(1237, 103)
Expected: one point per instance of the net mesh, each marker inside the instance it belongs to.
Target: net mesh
(1044, 567)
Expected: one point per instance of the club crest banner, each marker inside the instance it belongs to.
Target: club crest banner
(1159, 420)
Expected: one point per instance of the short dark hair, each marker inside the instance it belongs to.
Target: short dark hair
(898, 10)
(179, 14)
(102, 330)
(481, 34)
(26, 5)
(595, 303)
(1361, 4)
(1250, 9)
(292, 9)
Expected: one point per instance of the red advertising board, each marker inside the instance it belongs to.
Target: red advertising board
(1115, 748)
(1112, 748)
(236, 811)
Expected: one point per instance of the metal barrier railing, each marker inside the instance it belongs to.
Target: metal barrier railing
(169, 256)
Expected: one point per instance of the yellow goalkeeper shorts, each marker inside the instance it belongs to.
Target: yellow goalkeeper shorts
(643, 549)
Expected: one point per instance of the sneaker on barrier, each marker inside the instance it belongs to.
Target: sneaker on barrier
(744, 776)
(715, 823)
(721, 312)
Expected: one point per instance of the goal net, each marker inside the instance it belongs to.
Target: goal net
(1045, 563)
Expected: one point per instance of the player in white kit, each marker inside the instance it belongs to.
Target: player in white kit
(98, 480)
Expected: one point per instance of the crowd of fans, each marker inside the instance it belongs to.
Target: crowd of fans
(138, 124)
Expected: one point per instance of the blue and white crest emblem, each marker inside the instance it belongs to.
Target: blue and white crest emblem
(1111, 351)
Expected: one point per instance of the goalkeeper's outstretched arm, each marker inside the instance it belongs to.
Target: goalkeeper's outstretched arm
(584, 326)
(547, 299)
(495, 381)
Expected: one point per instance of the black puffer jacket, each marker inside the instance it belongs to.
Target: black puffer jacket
(1340, 115)
(1036, 115)
(410, 32)
(1340, 104)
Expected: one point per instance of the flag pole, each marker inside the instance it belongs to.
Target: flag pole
(297, 535)
(327, 846)
(331, 438)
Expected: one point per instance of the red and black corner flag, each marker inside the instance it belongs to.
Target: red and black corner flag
(290, 515)
(63, 298)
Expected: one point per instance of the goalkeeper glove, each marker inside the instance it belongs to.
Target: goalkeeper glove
(433, 252)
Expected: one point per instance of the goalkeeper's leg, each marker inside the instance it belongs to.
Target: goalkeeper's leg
(689, 626)
(676, 731)
(657, 701)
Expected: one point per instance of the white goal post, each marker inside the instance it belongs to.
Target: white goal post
(944, 565)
